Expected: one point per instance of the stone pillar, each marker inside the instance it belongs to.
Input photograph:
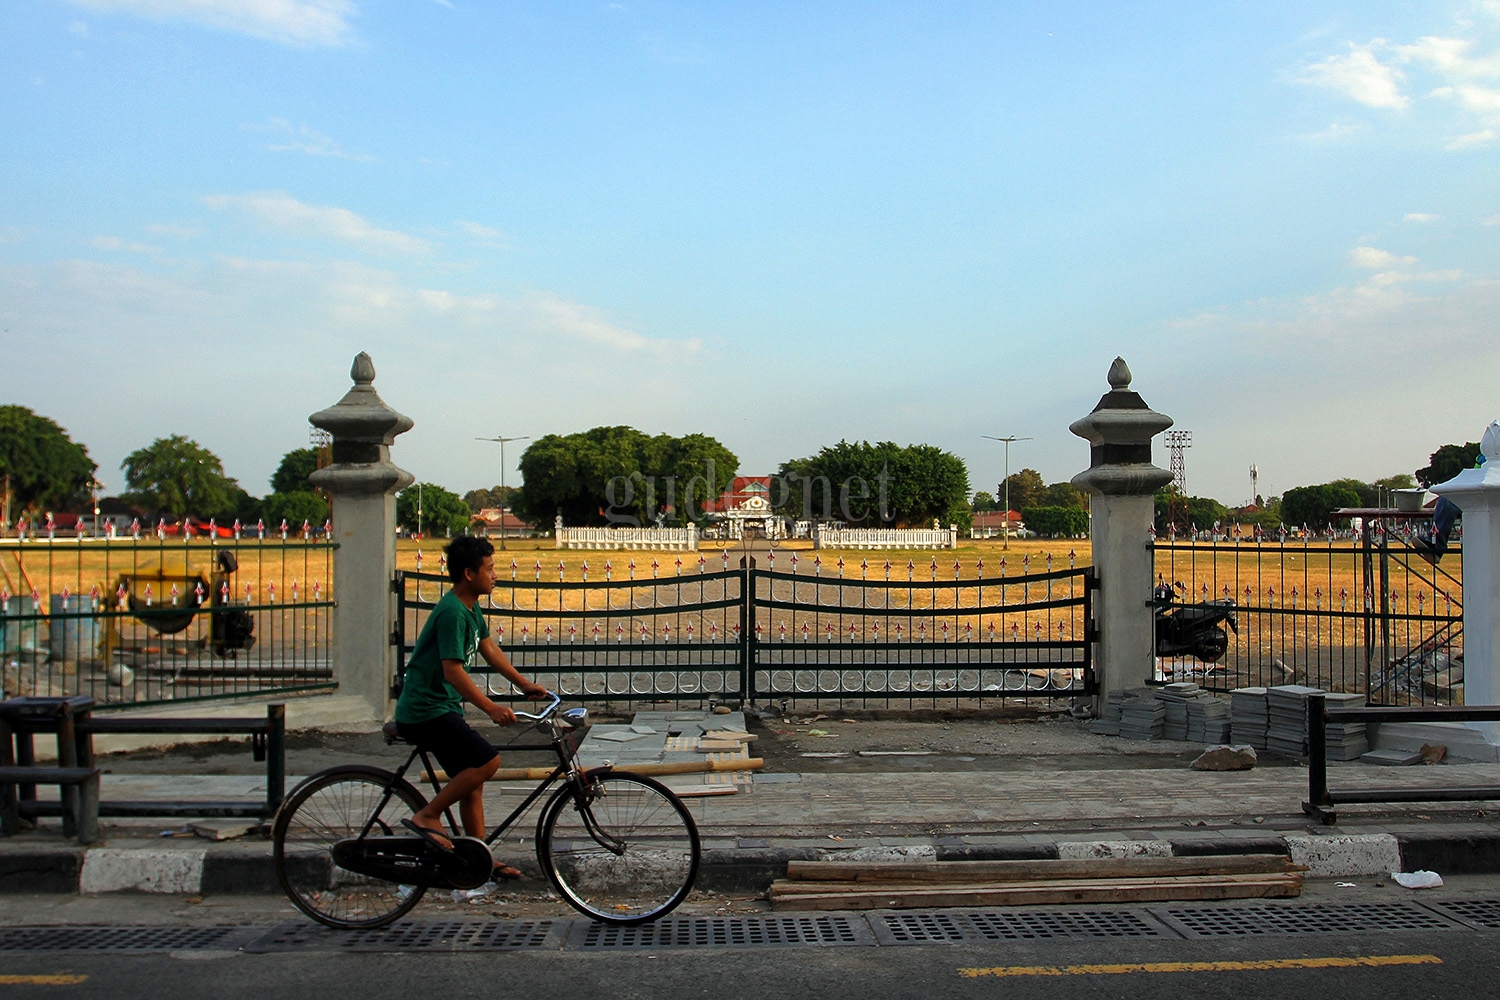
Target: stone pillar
(1476, 492)
(1122, 484)
(363, 484)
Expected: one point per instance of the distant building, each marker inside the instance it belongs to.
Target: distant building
(494, 522)
(996, 523)
(745, 508)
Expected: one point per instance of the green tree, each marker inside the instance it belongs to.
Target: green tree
(1056, 522)
(1064, 495)
(1024, 489)
(984, 502)
(495, 497)
(1447, 462)
(294, 507)
(39, 464)
(291, 475)
(877, 485)
(1313, 505)
(612, 475)
(176, 476)
(1187, 513)
(441, 511)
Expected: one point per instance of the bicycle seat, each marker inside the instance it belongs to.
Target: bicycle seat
(391, 736)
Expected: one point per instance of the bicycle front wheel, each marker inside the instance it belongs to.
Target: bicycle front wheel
(331, 806)
(621, 848)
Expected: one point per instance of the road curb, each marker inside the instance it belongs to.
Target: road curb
(247, 868)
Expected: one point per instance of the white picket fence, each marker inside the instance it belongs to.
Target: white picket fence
(658, 539)
(886, 538)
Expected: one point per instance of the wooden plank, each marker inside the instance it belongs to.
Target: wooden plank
(787, 887)
(705, 791)
(1042, 894)
(966, 871)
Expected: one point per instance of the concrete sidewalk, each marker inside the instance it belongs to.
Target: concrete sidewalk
(749, 836)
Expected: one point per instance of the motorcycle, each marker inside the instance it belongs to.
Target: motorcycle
(1194, 628)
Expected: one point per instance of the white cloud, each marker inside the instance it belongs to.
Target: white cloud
(286, 214)
(1362, 76)
(78, 28)
(1474, 140)
(177, 230)
(590, 326)
(1492, 220)
(115, 243)
(1335, 132)
(1449, 57)
(10, 234)
(1376, 259)
(290, 22)
(1420, 217)
(301, 139)
(487, 236)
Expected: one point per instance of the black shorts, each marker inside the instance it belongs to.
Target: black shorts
(455, 743)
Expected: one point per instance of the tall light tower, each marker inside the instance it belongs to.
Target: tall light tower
(503, 508)
(1006, 485)
(1177, 442)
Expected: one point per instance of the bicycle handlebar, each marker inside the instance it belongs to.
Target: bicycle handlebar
(539, 716)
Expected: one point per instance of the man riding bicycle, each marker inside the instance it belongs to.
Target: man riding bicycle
(430, 710)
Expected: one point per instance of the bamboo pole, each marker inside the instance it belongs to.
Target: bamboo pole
(688, 767)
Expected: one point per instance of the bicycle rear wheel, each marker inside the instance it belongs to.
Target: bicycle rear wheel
(335, 805)
(622, 849)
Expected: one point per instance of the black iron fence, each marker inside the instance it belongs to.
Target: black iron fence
(156, 618)
(1366, 614)
(705, 628)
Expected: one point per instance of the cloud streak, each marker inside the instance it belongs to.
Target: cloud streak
(288, 22)
(285, 214)
(301, 139)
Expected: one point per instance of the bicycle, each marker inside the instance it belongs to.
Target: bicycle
(619, 847)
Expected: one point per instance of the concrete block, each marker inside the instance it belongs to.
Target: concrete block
(887, 852)
(107, 869)
(1334, 857)
(1085, 850)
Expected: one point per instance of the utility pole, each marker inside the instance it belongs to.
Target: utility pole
(419, 510)
(1007, 440)
(503, 508)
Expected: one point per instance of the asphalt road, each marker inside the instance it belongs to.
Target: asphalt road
(1436, 964)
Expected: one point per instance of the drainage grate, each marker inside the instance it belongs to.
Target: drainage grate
(1476, 912)
(118, 938)
(443, 935)
(1020, 925)
(1240, 921)
(727, 932)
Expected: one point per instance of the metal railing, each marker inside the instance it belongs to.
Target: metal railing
(1363, 614)
(156, 618)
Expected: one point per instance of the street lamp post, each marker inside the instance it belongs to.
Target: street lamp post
(1007, 441)
(502, 440)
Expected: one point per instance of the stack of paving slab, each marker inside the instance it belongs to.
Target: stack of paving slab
(1286, 707)
(1248, 716)
(1108, 724)
(1346, 740)
(1142, 717)
(1208, 720)
(1175, 698)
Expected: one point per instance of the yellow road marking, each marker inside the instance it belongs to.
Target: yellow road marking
(58, 979)
(1332, 962)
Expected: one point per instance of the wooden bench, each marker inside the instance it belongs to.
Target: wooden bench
(75, 775)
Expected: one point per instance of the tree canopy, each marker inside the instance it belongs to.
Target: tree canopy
(1187, 513)
(176, 476)
(880, 485)
(294, 507)
(291, 475)
(46, 468)
(1065, 495)
(1447, 462)
(495, 497)
(1312, 505)
(984, 502)
(1056, 522)
(441, 511)
(1025, 489)
(611, 475)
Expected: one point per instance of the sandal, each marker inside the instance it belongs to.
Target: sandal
(434, 838)
(504, 873)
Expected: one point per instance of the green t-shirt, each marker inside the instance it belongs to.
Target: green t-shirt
(452, 632)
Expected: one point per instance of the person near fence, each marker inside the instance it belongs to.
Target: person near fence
(429, 712)
(1431, 544)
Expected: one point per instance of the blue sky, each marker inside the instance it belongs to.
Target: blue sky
(778, 223)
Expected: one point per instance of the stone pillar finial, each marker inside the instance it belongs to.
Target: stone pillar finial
(362, 482)
(1122, 484)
